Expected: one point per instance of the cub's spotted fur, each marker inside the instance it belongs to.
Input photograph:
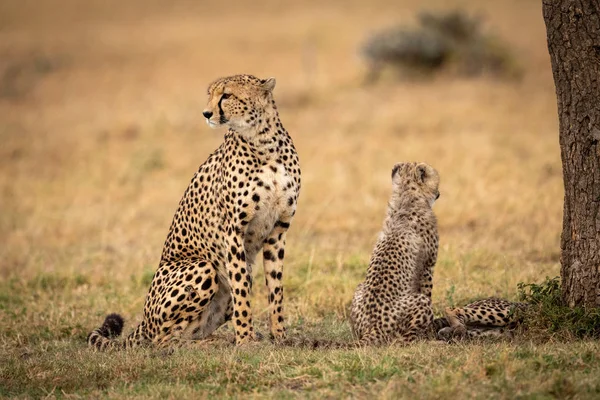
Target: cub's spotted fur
(393, 304)
(491, 317)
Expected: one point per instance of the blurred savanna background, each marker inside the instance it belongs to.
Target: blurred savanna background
(101, 131)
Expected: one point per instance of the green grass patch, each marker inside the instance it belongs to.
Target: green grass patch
(548, 317)
(497, 370)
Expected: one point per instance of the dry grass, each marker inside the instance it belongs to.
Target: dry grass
(101, 131)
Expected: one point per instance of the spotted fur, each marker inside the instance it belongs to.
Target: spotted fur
(491, 317)
(241, 201)
(393, 304)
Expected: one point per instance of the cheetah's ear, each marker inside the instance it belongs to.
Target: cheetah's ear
(421, 173)
(268, 84)
(395, 170)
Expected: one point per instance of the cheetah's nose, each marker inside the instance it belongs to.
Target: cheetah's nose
(207, 114)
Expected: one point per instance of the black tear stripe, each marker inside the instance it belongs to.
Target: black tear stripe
(222, 118)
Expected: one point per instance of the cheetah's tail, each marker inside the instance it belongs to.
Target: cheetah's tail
(102, 338)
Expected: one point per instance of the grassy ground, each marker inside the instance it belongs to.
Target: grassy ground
(101, 131)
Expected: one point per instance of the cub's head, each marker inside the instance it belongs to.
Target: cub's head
(417, 180)
(238, 101)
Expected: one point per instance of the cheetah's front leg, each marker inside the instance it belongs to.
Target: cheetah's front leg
(273, 253)
(241, 285)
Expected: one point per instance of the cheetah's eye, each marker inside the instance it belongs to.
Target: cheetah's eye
(225, 96)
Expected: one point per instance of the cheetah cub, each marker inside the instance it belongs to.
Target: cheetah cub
(491, 317)
(393, 304)
(241, 201)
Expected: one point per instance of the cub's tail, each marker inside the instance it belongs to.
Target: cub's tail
(103, 337)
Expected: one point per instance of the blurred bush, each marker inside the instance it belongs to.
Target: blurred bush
(451, 41)
(19, 76)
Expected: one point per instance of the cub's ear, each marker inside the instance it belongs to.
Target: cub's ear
(421, 173)
(268, 84)
(395, 170)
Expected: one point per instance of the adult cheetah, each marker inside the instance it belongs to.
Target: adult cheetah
(393, 304)
(241, 200)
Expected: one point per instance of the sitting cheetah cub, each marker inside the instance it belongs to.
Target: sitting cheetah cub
(393, 304)
(241, 201)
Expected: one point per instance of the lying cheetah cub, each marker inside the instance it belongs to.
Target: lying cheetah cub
(491, 317)
(393, 304)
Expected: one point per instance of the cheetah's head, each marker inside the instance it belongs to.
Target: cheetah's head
(238, 101)
(419, 180)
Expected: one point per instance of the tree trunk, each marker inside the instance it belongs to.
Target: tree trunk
(573, 32)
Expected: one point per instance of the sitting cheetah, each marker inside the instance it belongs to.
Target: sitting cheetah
(241, 201)
(393, 304)
(483, 318)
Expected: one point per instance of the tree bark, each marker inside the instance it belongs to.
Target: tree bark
(573, 33)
